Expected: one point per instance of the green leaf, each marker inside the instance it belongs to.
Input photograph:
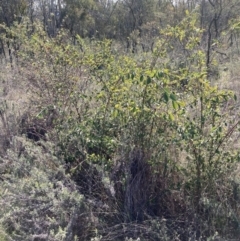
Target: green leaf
(166, 96)
(141, 78)
(173, 97)
(175, 105)
(235, 97)
(171, 117)
(160, 74)
(132, 75)
(149, 80)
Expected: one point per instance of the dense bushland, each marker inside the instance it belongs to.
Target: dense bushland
(102, 144)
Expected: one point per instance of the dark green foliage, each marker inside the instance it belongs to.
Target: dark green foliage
(114, 146)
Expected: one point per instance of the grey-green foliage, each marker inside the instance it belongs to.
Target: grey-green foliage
(37, 198)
